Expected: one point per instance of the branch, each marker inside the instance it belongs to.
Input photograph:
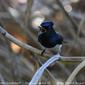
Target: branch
(32, 49)
(16, 41)
(75, 72)
(68, 16)
(81, 25)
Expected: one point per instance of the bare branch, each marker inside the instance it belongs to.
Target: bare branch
(71, 20)
(35, 50)
(13, 39)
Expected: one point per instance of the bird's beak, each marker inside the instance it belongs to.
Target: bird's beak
(42, 29)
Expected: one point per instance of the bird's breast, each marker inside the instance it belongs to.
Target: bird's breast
(47, 40)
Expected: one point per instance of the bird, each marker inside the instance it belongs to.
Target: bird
(47, 36)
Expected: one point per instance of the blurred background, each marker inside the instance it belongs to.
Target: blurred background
(21, 19)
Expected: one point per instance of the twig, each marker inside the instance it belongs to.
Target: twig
(68, 16)
(20, 21)
(72, 58)
(16, 41)
(81, 25)
(35, 50)
(75, 34)
(75, 72)
(52, 78)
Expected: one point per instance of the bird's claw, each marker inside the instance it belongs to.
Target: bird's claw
(43, 52)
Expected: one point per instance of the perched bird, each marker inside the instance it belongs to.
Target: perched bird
(47, 35)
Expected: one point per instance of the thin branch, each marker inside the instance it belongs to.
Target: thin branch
(75, 34)
(75, 72)
(20, 21)
(68, 16)
(16, 41)
(35, 50)
(81, 25)
(72, 58)
(49, 73)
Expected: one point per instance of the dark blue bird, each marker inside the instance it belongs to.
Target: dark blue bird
(47, 36)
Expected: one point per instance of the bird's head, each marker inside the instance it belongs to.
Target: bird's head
(46, 25)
